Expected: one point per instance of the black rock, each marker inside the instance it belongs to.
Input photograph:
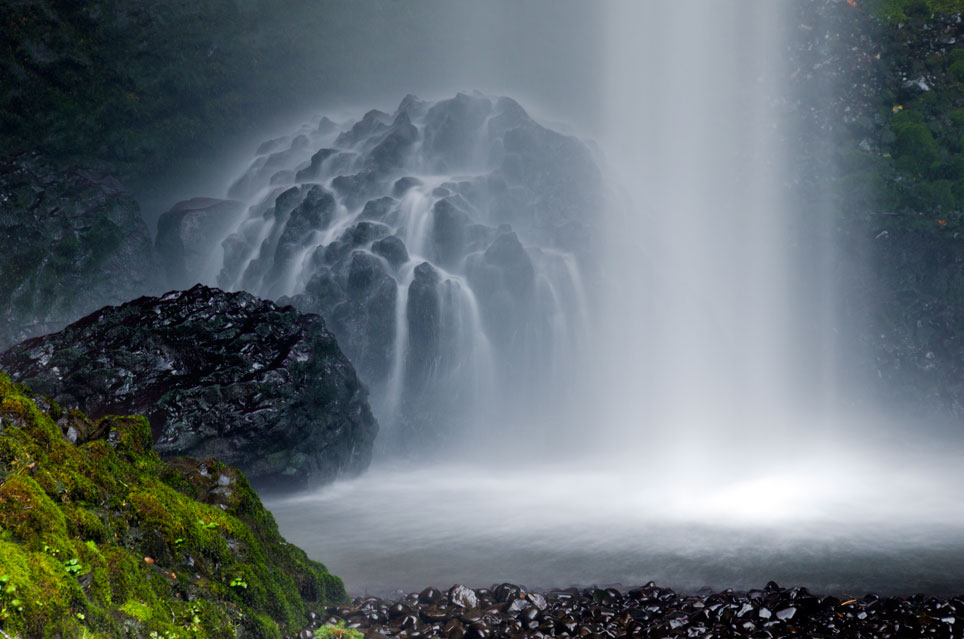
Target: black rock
(378, 209)
(392, 149)
(448, 232)
(424, 320)
(371, 123)
(450, 127)
(651, 612)
(313, 170)
(392, 249)
(402, 186)
(430, 596)
(223, 375)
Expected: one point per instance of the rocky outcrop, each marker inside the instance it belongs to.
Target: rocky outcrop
(103, 538)
(70, 242)
(221, 375)
(445, 244)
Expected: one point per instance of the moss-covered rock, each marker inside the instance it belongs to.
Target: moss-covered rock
(101, 538)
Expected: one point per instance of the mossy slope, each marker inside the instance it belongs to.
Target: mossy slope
(101, 538)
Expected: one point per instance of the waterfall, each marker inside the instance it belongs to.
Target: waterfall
(701, 339)
(635, 344)
(444, 244)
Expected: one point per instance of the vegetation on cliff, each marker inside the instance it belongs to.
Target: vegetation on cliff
(139, 88)
(901, 155)
(898, 10)
(101, 538)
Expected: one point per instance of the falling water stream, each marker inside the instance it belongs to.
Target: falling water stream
(701, 453)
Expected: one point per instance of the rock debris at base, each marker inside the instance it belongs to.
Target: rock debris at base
(508, 610)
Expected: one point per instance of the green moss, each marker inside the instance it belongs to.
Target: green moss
(138, 610)
(900, 10)
(105, 539)
(338, 631)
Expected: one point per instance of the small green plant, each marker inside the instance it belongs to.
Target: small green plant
(209, 525)
(194, 610)
(238, 582)
(73, 566)
(9, 602)
(338, 631)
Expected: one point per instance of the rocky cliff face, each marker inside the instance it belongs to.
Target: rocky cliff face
(449, 246)
(221, 375)
(879, 188)
(70, 242)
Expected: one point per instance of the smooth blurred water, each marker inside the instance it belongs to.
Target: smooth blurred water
(706, 454)
(843, 527)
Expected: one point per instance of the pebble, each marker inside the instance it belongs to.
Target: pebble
(508, 611)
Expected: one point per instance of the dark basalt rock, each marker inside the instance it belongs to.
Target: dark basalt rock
(70, 242)
(499, 208)
(402, 185)
(377, 209)
(392, 249)
(313, 170)
(392, 149)
(649, 611)
(222, 375)
(424, 321)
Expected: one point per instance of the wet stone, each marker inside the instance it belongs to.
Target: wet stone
(516, 606)
(651, 612)
(434, 613)
(471, 615)
(537, 600)
(462, 596)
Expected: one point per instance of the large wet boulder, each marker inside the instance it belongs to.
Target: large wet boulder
(71, 241)
(221, 375)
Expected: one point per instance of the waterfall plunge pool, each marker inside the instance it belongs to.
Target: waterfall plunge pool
(840, 526)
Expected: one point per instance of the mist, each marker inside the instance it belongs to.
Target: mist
(343, 58)
(691, 417)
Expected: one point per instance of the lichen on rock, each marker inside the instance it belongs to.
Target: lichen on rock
(99, 537)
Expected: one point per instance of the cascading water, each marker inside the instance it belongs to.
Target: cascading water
(694, 131)
(442, 243)
(653, 398)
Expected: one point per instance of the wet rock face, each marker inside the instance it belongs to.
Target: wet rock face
(507, 610)
(185, 233)
(887, 94)
(441, 243)
(70, 242)
(222, 375)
